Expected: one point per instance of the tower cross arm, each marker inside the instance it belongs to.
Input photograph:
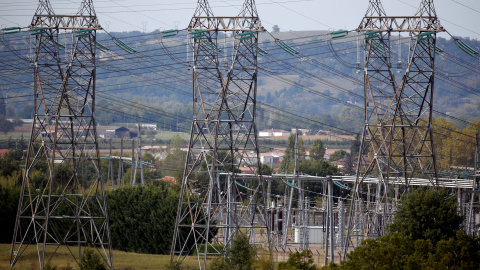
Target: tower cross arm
(226, 24)
(400, 24)
(66, 22)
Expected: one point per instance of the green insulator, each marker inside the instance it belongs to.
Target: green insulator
(198, 32)
(83, 31)
(246, 37)
(286, 47)
(124, 46)
(247, 33)
(371, 36)
(337, 37)
(169, 35)
(101, 47)
(425, 34)
(462, 45)
(11, 28)
(373, 32)
(11, 32)
(198, 35)
(340, 32)
(240, 185)
(38, 29)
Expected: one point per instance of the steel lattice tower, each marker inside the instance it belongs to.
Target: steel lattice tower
(223, 137)
(68, 207)
(397, 142)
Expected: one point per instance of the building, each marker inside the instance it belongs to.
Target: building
(115, 132)
(273, 133)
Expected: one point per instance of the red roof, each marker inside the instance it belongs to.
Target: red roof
(169, 179)
(3, 152)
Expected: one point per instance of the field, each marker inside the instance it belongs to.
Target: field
(121, 260)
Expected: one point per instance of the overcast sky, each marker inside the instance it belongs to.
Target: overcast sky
(459, 17)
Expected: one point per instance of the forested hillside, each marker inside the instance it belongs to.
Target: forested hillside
(320, 83)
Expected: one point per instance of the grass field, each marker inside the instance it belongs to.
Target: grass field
(63, 260)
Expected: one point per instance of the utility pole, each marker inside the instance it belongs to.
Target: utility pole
(223, 137)
(329, 239)
(63, 133)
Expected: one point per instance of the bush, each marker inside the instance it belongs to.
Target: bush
(142, 219)
(91, 261)
(298, 260)
(240, 255)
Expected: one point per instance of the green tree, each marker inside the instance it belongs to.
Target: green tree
(91, 260)
(26, 112)
(317, 167)
(427, 214)
(5, 125)
(266, 170)
(176, 142)
(355, 145)
(289, 157)
(317, 150)
(142, 219)
(337, 155)
(241, 255)
(298, 260)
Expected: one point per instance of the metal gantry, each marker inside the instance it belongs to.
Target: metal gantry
(213, 207)
(67, 208)
(397, 139)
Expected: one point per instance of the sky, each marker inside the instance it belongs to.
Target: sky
(459, 17)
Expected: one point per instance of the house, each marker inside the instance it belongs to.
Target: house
(270, 158)
(301, 131)
(273, 133)
(169, 179)
(148, 126)
(3, 152)
(115, 132)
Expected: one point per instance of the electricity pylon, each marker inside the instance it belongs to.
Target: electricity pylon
(68, 208)
(213, 208)
(397, 142)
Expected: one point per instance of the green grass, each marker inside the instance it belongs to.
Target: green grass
(63, 259)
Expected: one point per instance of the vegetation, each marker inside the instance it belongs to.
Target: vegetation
(142, 219)
(424, 235)
(317, 151)
(242, 255)
(427, 214)
(91, 260)
(299, 260)
(337, 155)
(63, 260)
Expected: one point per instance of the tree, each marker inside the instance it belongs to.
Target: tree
(289, 156)
(337, 155)
(317, 151)
(317, 167)
(142, 219)
(5, 125)
(427, 214)
(26, 112)
(240, 255)
(266, 170)
(91, 261)
(349, 165)
(298, 260)
(355, 145)
(176, 142)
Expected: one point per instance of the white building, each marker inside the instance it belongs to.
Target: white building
(273, 133)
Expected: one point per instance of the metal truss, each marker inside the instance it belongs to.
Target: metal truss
(213, 208)
(397, 145)
(68, 208)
